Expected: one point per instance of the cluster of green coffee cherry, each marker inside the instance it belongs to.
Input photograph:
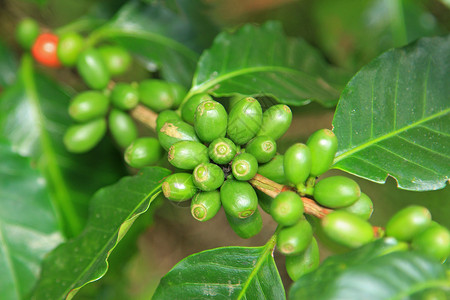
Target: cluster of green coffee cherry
(219, 153)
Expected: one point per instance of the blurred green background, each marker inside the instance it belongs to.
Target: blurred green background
(348, 33)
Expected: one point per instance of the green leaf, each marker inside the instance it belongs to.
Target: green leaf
(28, 225)
(371, 274)
(262, 61)
(8, 65)
(393, 117)
(160, 37)
(34, 117)
(224, 273)
(85, 258)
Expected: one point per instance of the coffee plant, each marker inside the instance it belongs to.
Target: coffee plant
(140, 105)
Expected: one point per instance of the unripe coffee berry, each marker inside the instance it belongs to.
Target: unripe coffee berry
(295, 239)
(187, 155)
(303, 263)
(222, 150)
(408, 222)
(323, 145)
(156, 94)
(262, 147)
(174, 131)
(248, 227)
(88, 105)
(165, 116)
(179, 187)
(92, 69)
(347, 229)
(244, 166)
(434, 241)
(244, 120)
(238, 198)
(116, 58)
(297, 163)
(69, 48)
(189, 108)
(363, 207)
(122, 127)
(26, 32)
(336, 191)
(287, 208)
(210, 121)
(124, 96)
(143, 152)
(205, 205)
(208, 177)
(274, 169)
(276, 121)
(83, 137)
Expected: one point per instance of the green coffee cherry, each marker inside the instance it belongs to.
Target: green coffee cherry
(363, 207)
(303, 263)
(124, 96)
(323, 145)
(238, 198)
(187, 155)
(234, 99)
(295, 239)
(210, 121)
(178, 93)
(274, 169)
(208, 177)
(347, 229)
(244, 166)
(165, 116)
(248, 227)
(143, 152)
(26, 33)
(189, 108)
(205, 205)
(287, 208)
(433, 241)
(276, 121)
(264, 200)
(156, 94)
(297, 163)
(336, 191)
(174, 131)
(244, 120)
(262, 147)
(88, 106)
(83, 137)
(122, 127)
(116, 58)
(69, 48)
(92, 69)
(222, 150)
(179, 187)
(408, 222)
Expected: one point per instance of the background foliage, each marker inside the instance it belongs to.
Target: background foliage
(327, 43)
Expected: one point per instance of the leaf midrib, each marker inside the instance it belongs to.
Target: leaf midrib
(387, 136)
(206, 85)
(9, 262)
(268, 249)
(72, 287)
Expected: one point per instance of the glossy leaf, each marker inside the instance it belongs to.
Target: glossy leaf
(393, 118)
(224, 273)
(161, 37)
(370, 273)
(85, 258)
(34, 117)
(28, 224)
(262, 61)
(8, 65)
